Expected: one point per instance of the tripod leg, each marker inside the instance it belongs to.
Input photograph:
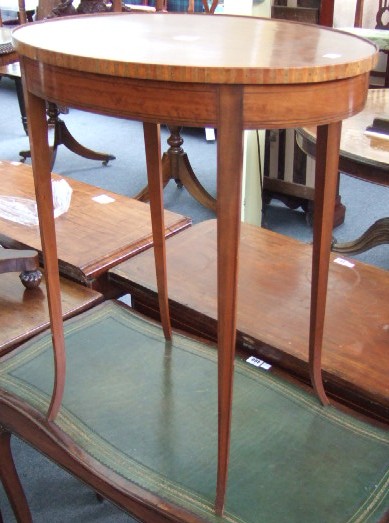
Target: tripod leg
(63, 136)
(176, 166)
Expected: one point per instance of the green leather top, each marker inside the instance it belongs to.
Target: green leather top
(148, 410)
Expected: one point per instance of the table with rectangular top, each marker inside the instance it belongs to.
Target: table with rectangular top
(99, 230)
(24, 312)
(355, 358)
(229, 73)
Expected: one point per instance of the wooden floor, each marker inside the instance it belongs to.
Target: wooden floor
(100, 229)
(273, 307)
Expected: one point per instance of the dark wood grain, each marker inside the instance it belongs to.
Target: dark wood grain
(273, 307)
(91, 237)
(361, 155)
(24, 312)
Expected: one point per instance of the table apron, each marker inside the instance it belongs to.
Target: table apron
(264, 106)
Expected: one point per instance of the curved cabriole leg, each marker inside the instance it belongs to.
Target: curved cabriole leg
(40, 155)
(10, 480)
(328, 140)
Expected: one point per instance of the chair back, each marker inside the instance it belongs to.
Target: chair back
(382, 9)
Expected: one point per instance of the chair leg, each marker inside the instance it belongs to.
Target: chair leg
(10, 480)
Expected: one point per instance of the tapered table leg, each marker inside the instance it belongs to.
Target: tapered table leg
(229, 178)
(154, 174)
(326, 177)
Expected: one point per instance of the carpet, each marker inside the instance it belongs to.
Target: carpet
(147, 409)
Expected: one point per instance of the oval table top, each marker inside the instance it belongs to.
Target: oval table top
(356, 145)
(144, 46)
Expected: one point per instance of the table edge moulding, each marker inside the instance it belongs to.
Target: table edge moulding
(187, 69)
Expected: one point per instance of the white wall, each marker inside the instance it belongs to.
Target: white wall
(344, 12)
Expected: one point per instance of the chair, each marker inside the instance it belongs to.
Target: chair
(383, 10)
(378, 34)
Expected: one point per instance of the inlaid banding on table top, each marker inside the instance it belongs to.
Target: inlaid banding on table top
(266, 52)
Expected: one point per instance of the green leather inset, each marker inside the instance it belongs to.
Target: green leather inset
(147, 409)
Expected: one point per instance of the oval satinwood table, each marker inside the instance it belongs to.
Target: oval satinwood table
(226, 72)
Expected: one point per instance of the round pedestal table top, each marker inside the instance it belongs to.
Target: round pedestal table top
(356, 144)
(197, 48)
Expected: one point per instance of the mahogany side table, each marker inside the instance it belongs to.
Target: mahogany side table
(190, 70)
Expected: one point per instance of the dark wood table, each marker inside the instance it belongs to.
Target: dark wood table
(99, 230)
(25, 313)
(355, 347)
(182, 69)
(363, 156)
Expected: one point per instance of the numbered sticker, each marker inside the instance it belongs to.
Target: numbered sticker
(258, 363)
